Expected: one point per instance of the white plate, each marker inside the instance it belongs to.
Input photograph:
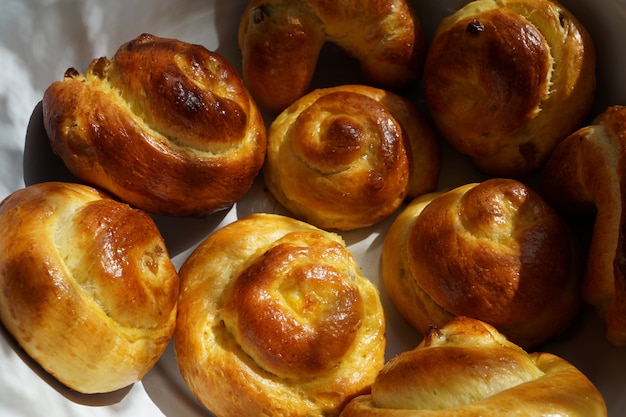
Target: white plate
(40, 39)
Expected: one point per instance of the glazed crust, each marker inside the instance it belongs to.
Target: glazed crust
(274, 315)
(507, 80)
(468, 369)
(87, 288)
(281, 40)
(586, 174)
(495, 251)
(164, 125)
(347, 157)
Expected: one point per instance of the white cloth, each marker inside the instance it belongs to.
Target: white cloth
(40, 39)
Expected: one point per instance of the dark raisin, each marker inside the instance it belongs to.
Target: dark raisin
(99, 67)
(474, 27)
(71, 73)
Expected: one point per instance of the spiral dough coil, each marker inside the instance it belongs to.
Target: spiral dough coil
(346, 157)
(275, 315)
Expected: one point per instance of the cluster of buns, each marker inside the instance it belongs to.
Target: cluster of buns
(88, 289)
(273, 315)
(343, 157)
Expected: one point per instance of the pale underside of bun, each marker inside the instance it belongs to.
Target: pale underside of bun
(585, 176)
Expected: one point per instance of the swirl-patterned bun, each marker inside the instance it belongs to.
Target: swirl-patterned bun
(506, 81)
(87, 288)
(164, 125)
(495, 251)
(281, 40)
(468, 369)
(586, 173)
(346, 157)
(275, 315)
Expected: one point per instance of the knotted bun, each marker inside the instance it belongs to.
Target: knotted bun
(347, 157)
(87, 288)
(281, 40)
(506, 81)
(275, 315)
(495, 251)
(468, 369)
(164, 125)
(586, 173)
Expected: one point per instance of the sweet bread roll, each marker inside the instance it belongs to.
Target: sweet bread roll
(280, 42)
(507, 80)
(586, 173)
(468, 369)
(87, 288)
(347, 157)
(164, 125)
(276, 319)
(494, 251)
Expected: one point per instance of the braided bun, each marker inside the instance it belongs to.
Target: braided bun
(468, 369)
(507, 80)
(495, 251)
(86, 285)
(164, 125)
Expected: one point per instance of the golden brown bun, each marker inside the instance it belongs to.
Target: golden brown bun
(346, 157)
(495, 251)
(507, 80)
(588, 170)
(164, 125)
(468, 369)
(275, 315)
(280, 41)
(86, 285)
